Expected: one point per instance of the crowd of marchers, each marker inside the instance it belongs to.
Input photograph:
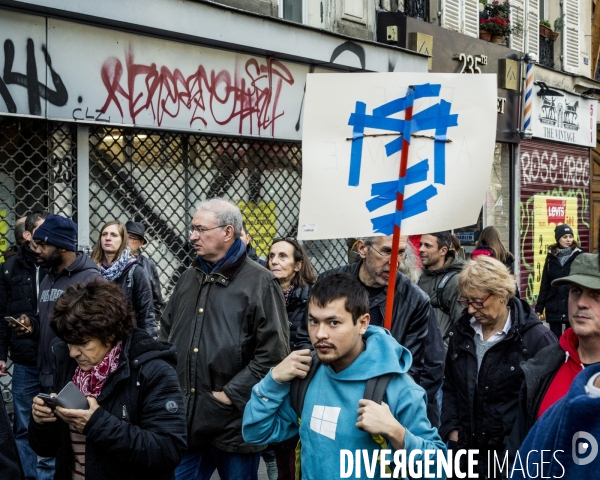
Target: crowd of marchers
(254, 358)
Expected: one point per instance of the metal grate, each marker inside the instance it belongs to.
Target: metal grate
(37, 172)
(159, 177)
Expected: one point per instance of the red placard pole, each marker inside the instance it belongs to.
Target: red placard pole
(389, 305)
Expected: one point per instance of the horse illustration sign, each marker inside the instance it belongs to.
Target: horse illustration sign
(568, 118)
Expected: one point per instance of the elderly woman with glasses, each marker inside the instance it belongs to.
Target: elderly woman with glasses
(483, 376)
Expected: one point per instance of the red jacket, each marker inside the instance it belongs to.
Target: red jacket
(566, 373)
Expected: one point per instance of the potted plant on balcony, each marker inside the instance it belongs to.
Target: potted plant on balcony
(559, 24)
(494, 20)
(545, 29)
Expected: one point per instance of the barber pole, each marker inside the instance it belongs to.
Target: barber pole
(528, 97)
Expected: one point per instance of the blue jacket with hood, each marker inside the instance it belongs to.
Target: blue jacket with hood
(330, 409)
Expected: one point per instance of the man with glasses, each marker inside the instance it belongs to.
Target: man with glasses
(439, 278)
(228, 320)
(411, 306)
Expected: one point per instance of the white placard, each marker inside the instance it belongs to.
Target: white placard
(452, 145)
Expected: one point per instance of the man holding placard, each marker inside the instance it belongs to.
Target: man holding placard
(411, 305)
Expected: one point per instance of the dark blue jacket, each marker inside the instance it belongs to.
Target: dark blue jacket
(555, 432)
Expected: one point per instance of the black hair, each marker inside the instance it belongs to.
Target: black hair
(341, 285)
(34, 218)
(444, 239)
(19, 231)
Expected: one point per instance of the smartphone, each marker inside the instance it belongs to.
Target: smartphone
(69, 397)
(15, 322)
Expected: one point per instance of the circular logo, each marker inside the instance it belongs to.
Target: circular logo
(171, 406)
(582, 453)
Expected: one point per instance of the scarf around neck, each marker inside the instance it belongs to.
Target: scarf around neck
(116, 269)
(91, 383)
(233, 255)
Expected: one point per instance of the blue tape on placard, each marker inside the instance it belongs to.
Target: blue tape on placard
(444, 121)
(357, 144)
(393, 147)
(417, 203)
(386, 192)
(427, 90)
(383, 224)
(417, 173)
(390, 108)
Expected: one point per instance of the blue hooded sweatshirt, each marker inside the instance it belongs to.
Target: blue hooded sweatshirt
(330, 409)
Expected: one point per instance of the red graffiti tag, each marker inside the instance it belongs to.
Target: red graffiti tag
(251, 96)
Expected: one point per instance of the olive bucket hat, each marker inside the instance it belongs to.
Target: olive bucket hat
(584, 272)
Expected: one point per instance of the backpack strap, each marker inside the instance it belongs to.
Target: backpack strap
(440, 292)
(299, 386)
(376, 387)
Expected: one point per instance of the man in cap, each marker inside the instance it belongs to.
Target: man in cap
(55, 244)
(136, 239)
(549, 375)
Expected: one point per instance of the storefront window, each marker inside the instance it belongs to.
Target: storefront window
(496, 206)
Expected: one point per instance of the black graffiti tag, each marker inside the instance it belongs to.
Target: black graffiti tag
(35, 89)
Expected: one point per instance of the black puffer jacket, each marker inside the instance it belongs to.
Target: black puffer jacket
(10, 463)
(20, 279)
(409, 321)
(135, 283)
(139, 431)
(297, 311)
(555, 300)
(483, 405)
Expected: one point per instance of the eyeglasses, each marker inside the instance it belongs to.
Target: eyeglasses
(463, 302)
(201, 230)
(387, 254)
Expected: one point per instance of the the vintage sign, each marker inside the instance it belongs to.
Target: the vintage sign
(569, 119)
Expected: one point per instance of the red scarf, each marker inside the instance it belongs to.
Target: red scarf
(91, 383)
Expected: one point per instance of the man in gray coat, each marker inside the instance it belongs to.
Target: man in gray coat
(439, 278)
(228, 320)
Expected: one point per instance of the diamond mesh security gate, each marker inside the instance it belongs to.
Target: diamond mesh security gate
(155, 177)
(37, 172)
(159, 177)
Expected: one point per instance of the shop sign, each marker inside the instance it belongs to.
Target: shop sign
(465, 237)
(569, 119)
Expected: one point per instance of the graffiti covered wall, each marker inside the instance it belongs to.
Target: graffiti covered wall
(555, 183)
(62, 70)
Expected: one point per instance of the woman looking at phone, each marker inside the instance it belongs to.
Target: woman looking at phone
(135, 426)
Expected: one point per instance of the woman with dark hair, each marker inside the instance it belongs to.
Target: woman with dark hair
(135, 427)
(553, 302)
(490, 244)
(290, 264)
(113, 256)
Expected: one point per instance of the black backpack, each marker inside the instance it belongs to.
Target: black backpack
(374, 390)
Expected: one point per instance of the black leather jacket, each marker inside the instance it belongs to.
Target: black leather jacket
(139, 292)
(297, 311)
(152, 272)
(409, 320)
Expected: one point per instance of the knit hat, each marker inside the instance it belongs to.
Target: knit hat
(584, 272)
(58, 231)
(561, 230)
(136, 228)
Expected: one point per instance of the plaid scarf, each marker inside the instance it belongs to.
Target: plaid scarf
(91, 383)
